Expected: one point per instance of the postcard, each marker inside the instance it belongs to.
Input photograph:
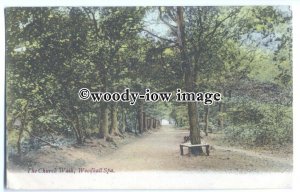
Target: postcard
(149, 97)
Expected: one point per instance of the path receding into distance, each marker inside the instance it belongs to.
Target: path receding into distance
(153, 155)
(160, 151)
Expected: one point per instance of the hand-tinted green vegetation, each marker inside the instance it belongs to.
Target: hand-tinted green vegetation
(245, 53)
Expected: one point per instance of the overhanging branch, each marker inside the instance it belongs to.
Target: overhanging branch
(172, 27)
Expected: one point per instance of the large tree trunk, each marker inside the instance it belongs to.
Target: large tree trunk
(103, 132)
(84, 124)
(189, 83)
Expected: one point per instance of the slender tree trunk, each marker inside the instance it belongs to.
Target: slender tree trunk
(135, 126)
(99, 117)
(221, 111)
(140, 117)
(189, 83)
(79, 134)
(19, 147)
(148, 123)
(206, 108)
(144, 122)
(123, 126)
(20, 136)
(74, 120)
(103, 132)
(151, 122)
(221, 118)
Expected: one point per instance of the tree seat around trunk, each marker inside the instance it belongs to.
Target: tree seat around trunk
(188, 139)
(189, 146)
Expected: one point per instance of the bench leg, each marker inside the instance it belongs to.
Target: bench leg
(207, 149)
(181, 150)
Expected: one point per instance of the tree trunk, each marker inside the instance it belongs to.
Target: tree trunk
(19, 141)
(78, 131)
(144, 121)
(19, 147)
(114, 127)
(140, 117)
(189, 83)
(84, 124)
(206, 109)
(135, 126)
(123, 126)
(221, 111)
(151, 123)
(148, 123)
(99, 118)
(221, 118)
(103, 132)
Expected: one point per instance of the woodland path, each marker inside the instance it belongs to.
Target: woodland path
(160, 151)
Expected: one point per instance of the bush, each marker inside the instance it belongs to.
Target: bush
(260, 124)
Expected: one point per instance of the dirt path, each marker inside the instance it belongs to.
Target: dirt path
(160, 151)
(154, 153)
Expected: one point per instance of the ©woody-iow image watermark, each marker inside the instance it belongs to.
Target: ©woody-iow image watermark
(207, 98)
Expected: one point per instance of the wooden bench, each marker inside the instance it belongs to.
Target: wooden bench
(189, 146)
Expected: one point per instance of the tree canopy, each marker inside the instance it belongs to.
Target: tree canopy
(245, 53)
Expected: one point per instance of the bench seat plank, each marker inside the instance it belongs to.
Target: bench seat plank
(189, 145)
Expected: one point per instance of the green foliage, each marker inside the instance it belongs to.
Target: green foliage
(53, 52)
(179, 115)
(259, 124)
